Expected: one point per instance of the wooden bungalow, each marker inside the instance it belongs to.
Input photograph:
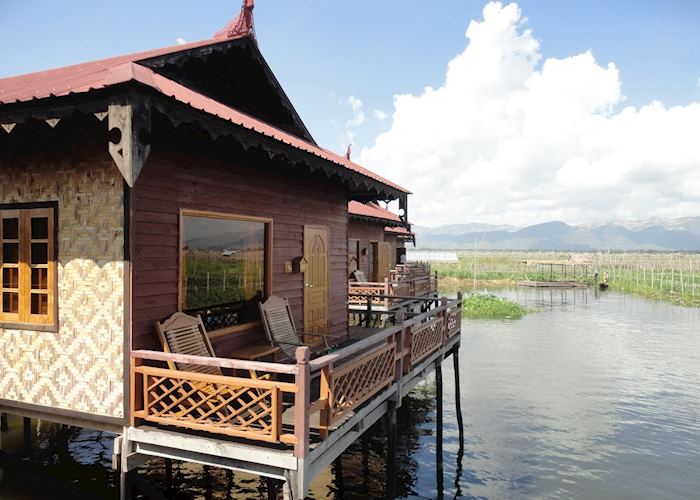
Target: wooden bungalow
(376, 248)
(183, 179)
(373, 244)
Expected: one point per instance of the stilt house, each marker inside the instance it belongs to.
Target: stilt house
(183, 179)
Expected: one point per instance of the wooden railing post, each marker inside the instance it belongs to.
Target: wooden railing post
(443, 314)
(302, 399)
(325, 418)
(136, 396)
(386, 293)
(401, 355)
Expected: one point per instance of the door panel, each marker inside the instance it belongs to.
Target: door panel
(373, 261)
(384, 265)
(316, 281)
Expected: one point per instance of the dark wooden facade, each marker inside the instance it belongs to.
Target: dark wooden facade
(168, 184)
(366, 232)
(123, 146)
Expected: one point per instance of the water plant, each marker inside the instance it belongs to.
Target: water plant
(489, 306)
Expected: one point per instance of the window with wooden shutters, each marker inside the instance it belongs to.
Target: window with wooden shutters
(28, 266)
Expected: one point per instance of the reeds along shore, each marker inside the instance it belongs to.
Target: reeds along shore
(671, 277)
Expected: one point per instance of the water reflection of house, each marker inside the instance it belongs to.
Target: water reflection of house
(107, 168)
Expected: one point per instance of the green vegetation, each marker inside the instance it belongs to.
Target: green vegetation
(671, 277)
(213, 278)
(488, 306)
(486, 269)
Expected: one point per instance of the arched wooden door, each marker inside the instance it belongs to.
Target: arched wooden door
(316, 281)
(384, 266)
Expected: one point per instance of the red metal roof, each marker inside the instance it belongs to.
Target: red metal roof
(78, 78)
(398, 230)
(81, 78)
(373, 211)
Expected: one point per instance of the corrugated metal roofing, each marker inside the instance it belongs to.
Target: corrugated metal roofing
(398, 230)
(80, 78)
(372, 210)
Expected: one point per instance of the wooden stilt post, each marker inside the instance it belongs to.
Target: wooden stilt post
(390, 421)
(364, 447)
(458, 402)
(338, 471)
(168, 475)
(27, 434)
(438, 433)
(125, 492)
(3, 422)
(229, 483)
(271, 489)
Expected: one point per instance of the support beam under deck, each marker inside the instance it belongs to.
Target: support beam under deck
(144, 442)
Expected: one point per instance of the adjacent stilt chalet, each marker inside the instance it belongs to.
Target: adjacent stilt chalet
(174, 265)
(380, 279)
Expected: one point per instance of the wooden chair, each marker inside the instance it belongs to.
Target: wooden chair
(280, 330)
(184, 334)
(360, 276)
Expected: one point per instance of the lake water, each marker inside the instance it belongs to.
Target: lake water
(596, 395)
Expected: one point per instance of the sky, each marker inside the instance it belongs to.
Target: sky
(488, 112)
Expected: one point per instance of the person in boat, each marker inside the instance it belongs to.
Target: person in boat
(605, 277)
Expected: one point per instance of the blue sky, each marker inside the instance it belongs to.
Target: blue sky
(324, 52)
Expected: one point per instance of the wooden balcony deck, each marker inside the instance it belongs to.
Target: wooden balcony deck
(286, 421)
(390, 295)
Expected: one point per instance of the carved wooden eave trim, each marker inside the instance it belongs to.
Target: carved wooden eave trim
(129, 125)
(377, 221)
(358, 184)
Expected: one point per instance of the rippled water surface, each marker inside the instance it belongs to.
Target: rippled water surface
(593, 396)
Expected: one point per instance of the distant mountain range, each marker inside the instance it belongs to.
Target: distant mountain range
(658, 234)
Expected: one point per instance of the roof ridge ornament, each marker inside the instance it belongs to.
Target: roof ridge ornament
(241, 26)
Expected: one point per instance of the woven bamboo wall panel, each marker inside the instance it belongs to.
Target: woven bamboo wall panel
(81, 367)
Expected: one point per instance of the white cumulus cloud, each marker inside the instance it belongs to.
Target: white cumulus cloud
(180, 41)
(512, 138)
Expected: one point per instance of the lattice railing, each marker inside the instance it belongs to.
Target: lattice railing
(381, 292)
(252, 408)
(224, 405)
(355, 382)
(358, 292)
(426, 338)
(454, 320)
(401, 289)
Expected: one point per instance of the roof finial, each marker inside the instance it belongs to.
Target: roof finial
(241, 26)
(349, 151)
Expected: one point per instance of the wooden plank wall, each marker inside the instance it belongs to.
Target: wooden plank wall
(366, 232)
(169, 183)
